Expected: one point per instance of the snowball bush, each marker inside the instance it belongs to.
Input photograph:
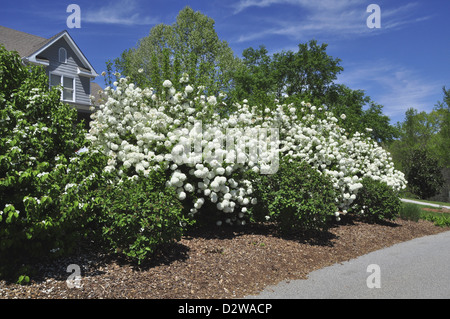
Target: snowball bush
(207, 154)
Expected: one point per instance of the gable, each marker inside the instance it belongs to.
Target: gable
(62, 39)
(52, 53)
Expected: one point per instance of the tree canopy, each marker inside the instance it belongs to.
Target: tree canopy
(308, 74)
(190, 45)
(422, 149)
(422, 130)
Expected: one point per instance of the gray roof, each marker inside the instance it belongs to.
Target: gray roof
(24, 43)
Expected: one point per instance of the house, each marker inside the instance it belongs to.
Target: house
(64, 63)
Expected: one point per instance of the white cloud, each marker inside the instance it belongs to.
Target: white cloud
(328, 19)
(124, 12)
(317, 4)
(395, 87)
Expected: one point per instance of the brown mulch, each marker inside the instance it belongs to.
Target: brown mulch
(220, 263)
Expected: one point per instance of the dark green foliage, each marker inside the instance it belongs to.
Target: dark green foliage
(39, 210)
(136, 217)
(423, 173)
(296, 197)
(376, 201)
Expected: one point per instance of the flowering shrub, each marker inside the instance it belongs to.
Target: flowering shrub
(42, 179)
(208, 154)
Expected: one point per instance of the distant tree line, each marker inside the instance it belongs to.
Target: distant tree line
(422, 150)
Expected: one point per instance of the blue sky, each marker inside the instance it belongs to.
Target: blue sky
(404, 63)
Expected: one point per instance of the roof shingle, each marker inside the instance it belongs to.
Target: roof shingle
(24, 43)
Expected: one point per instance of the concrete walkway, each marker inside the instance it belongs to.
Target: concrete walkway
(415, 269)
(422, 203)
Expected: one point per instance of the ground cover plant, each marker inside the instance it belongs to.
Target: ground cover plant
(440, 216)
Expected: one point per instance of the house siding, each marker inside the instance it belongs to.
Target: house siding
(82, 83)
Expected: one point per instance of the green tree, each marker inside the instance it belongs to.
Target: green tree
(440, 142)
(417, 131)
(254, 78)
(190, 45)
(381, 129)
(422, 149)
(308, 75)
(310, 69)
(423, 173)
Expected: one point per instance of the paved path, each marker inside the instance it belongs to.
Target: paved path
(415, 269)
(422, 203)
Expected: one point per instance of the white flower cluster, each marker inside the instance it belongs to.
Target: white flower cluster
(327, 147)
(207, 154)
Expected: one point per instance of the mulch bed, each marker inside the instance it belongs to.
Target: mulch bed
(220, 263)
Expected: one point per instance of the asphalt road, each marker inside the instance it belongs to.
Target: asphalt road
(416, 269)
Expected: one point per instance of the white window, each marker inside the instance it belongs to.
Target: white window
(62, 55)
(68, 86)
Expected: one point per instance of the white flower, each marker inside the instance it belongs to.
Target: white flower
(212, 100)
(189, 188)
(167, 84)
(188, 89)
(68, 186)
